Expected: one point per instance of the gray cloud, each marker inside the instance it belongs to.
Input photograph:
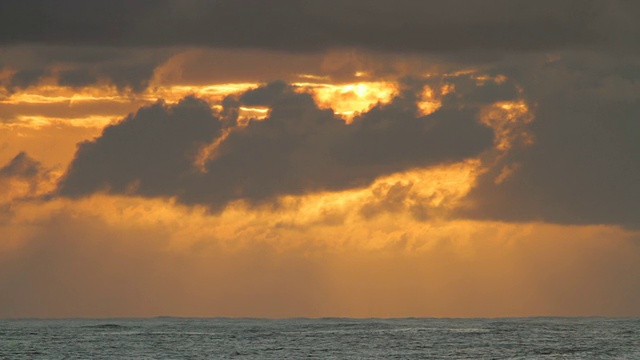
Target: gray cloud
(22, 166)
(24, 179)
(148, 153)
(298, 149)
(25, 77)
(303, 25)
(134, 75)
(125, 68)
(584, 166)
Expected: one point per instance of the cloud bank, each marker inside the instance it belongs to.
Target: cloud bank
(79, 66)
(299, 148)
(303, 25)
(584, 164)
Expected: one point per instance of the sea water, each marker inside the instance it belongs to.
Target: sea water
(331, 338)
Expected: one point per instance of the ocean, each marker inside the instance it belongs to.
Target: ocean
(328, 338)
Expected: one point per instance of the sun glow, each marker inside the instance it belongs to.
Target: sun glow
(38, 122)
(509, 120)
(345, 99)
(348, 100)
(50, 94)
(418, 193)
(251, 113)
(428, 103)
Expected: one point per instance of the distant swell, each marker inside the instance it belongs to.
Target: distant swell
(106, 326)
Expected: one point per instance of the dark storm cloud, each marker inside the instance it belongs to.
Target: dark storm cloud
(298, 149)
(300, 25)
(584, 166)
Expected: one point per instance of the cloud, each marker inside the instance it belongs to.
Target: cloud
(24, 78)
(580, 167)
(584, 164)
(405, 25)
(22, 167)
(297, 149)
(79, 66)
(23, 179)
(23, 175)
(148, 153)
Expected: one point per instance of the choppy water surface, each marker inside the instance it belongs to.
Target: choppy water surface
(175, 338)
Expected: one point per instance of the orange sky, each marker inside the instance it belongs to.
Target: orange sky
(390, 248)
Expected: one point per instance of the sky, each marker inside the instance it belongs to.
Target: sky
(299, 158)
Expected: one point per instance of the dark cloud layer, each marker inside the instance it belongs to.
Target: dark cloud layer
(584, 166)
(301, 25)
(298, 149)
(80, 43)
(75, 67)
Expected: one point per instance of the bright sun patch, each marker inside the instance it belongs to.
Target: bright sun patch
(348, 100)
